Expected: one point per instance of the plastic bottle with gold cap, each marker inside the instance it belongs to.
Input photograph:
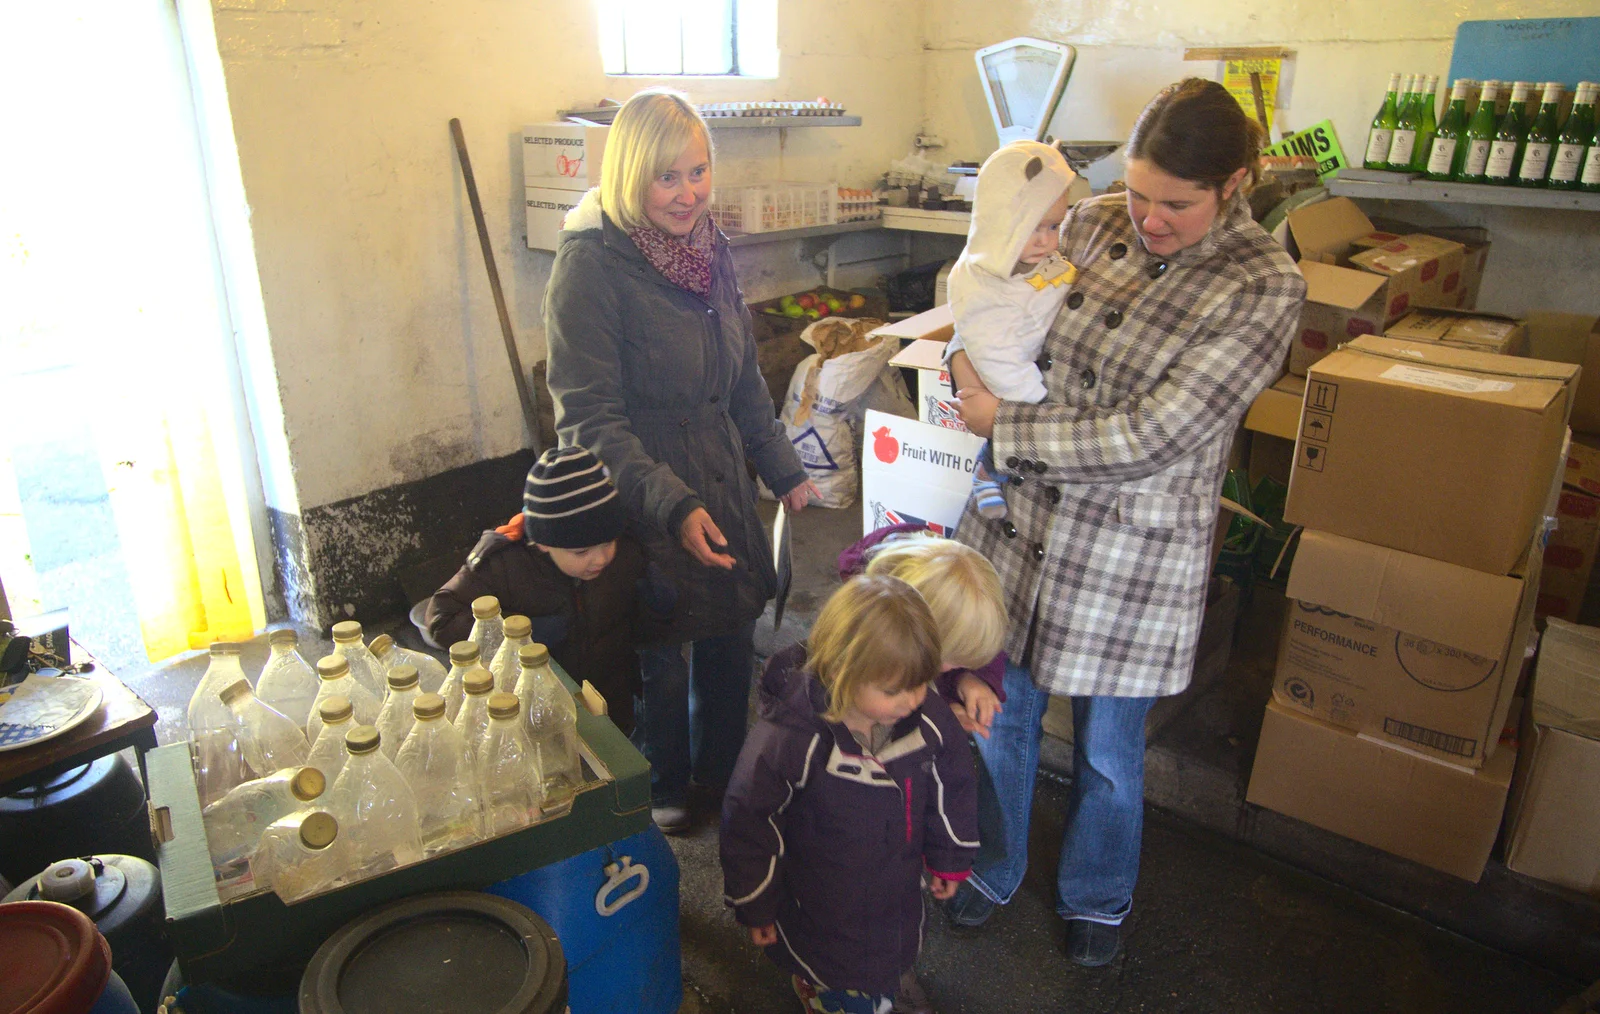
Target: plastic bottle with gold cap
(488, 630)
(366, 669)
(389, 654)
(394, 718)
(438, 767)
(463, 658)
(300, 855)
(472, 721)
(374, 803)
(268, 738)
(334, 672)
(508, 770)
(213, 734)
(234, 823)
(328, 753)
(287, 682)
(519, 632)
(552, 724)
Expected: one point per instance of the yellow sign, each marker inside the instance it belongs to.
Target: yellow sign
(1244, 78)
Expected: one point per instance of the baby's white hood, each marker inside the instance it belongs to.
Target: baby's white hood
(1016, 186)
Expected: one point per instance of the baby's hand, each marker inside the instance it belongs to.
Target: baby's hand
(979, 705)
(764, 936)
(943, 889)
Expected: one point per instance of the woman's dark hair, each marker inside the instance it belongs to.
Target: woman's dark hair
(1196, 131)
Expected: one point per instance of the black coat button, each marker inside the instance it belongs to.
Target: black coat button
(1156, 270)
(1038, 551)
(1045, 364)
(1039, 466)
(1009, 530)
(1118, 251)
(1012, 462)
(1113, 319)
(1087, 378)
(1016, 480)
(1053, 495)
(1074, 300)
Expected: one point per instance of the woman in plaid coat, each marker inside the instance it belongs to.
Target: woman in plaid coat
(1180, 315)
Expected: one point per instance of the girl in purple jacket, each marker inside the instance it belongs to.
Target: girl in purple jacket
(854, 783)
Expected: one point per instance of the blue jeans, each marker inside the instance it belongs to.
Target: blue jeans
(1105, 814)
(693, 715)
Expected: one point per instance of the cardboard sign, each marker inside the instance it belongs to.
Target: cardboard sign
(1237, 77)
(1318, 141)
(912, 471)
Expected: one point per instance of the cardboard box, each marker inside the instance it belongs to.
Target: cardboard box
(1340, 305)
(1436, 814)
(1571, 338)
(1567, 683)
(1480, 332)
(1402, 648)
(563, 156)
(1474, 240)
(912, 471)
(1569, 556)
(1553, 822)
(1276, 411)
(1430, 450)
(1422, 270)
(935, 393)
(547, 208)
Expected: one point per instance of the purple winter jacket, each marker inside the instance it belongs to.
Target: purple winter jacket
(829, 844)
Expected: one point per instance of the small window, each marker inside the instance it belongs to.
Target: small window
(658, 38)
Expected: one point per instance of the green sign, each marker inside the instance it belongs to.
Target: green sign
(1318, 141)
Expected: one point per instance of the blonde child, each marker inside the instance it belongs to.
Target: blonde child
(854, 781)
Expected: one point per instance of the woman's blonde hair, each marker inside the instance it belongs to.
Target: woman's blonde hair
(650, 132)
(874, 631)
(962, 591)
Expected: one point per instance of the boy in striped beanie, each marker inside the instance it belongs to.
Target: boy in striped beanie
(566, 563)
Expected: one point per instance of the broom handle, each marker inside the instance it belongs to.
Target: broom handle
(524, 392)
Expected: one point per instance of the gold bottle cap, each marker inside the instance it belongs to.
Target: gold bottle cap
(380, 645)
(402, 677)
(478, 681)
(427, 706)
(347, 630)
(503, 705)
(235, 690)
(533, 654)
(334, 709)
(518, 626)
(283, 635)
(224, 648)
(485, 606)
(463, 653)
(318, 830)
(308, 784)
(331, 667)
(362, 739)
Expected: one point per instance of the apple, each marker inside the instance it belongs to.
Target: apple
(823, 310)
(794, 310)
(835, 304)
(812, 313)
(806, 300)
(786, 302)
(857, 301)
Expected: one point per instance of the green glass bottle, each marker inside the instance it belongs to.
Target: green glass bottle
(1430, 124)
(1505, 152)
(1589, 176)
(1541, 140)
(1448, 149)
(1381, 134)
(1567, 163)
(1408, 118)
(1479, 137)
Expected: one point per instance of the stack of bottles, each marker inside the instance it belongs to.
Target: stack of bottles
(1495, 132)
(311, 780)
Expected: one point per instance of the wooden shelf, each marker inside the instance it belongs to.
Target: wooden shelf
(1464, 193)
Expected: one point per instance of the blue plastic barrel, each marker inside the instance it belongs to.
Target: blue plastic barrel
(615, 910)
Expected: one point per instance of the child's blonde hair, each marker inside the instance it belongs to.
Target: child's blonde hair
(962, 591)
(648, 134)
(874, 631)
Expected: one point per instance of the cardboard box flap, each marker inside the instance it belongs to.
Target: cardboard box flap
(937, 324)
(1276, 411)
(1518, 383)
(1341, 287)
(1583, 467)
(1437, 601)
(1324, 230)
(921, 354)
(1452, 325)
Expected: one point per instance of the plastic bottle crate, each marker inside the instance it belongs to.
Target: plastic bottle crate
(768, 207)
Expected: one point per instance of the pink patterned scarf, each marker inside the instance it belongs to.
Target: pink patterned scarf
(685, 263)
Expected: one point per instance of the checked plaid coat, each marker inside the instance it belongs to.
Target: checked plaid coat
(1149, 367)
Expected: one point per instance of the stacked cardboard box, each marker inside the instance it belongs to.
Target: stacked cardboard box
(559, 162)
(1422, 474)
(1569, 573)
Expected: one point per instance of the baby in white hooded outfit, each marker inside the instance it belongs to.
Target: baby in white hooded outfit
(1010, 281)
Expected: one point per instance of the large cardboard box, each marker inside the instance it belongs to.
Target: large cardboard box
(1402, 648)
(1553, 822)
(1430, 450)
(1480, 332)
(563, 156)
(547, 208)
(1436, 814)
(1570, 552)
(912, 471)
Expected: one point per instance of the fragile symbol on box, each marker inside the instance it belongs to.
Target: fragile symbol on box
(1313, 457)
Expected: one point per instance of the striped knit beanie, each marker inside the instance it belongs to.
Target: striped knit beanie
(570, 502)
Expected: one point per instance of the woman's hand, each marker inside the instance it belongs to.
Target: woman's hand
(764, 936)
(797, 498)
(698, 534)
(943, 889)
(979, 705)
(977, 408)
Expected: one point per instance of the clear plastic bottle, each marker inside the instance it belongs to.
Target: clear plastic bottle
(463, 657)
(235, 822)
(328, 753)
(287, 681)
(472, 721)
(334, 671)
(300, 855)
(430, 674)
(552, 724)
(487, 629)
(374, 804)
(367, 670)
(508, 769)
(213, 734)
(519, 632)
(395, 718)
(438, 767)
(267, 737)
